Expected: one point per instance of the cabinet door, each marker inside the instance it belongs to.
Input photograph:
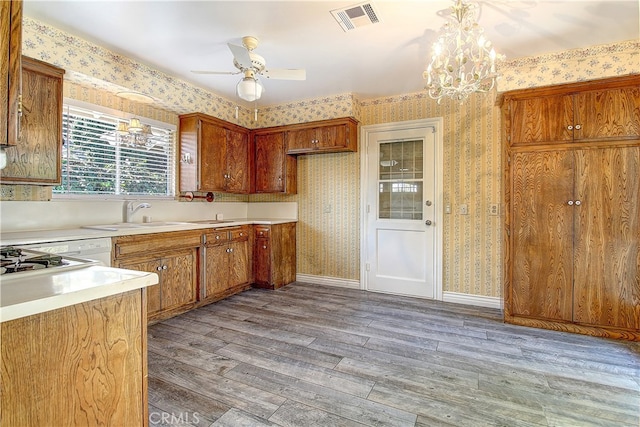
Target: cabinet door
(541, 233)
(237, 162)
(217, 269)
(301, 140)
(329, 137)
(179, 279)
(607, 230)
(262, 261)
(213, 157)
(541, 120)
(10, 69)
(270, 163)
(239, 268)
(608, 114)
(37, 158)
(153, 292)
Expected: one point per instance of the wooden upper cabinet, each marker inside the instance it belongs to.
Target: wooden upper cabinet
(36, 159)
(327, 136)
(540, 120)
(214, 155)
(575, 112)
(608, 114)
(275, 170)
(10, 70)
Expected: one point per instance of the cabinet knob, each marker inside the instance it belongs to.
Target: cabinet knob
(164, 267)
(241, 234)
(570, 127)
(570, 202)
(578, 202)
(159, 268)
(217, 237)
(578, 127)
(264, 246)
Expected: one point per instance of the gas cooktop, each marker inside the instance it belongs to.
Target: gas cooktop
(18, 262)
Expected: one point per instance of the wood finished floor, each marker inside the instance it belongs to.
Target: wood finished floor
(310, 355)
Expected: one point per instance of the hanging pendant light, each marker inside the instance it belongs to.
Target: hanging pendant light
(249, 88)
(463, 60)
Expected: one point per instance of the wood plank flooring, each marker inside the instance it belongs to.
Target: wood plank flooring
(310, 355)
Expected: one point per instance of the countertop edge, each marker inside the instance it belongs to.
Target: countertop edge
(138, 280)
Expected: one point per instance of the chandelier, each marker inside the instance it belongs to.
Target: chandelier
(463, 61)
(133, 134)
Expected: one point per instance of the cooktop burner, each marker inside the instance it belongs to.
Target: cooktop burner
(16, 260)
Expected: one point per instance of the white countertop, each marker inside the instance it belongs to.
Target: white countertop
(41, 236)
(21, 297)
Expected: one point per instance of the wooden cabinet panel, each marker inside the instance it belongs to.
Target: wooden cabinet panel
(542, 235)
(227, 261)
(275, 171)
(608, 114)
(214, 155)
(10, 70)
(541, 120)
(274, 255)
(174, 257)
(607, 231)
(326, 136)
(37, 157)
(79, 365)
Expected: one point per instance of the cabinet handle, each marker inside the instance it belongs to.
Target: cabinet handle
(570, 202)
(241, 234)
(578, 127)
(164, 267)
(264, 247)
(578, 202)
(570, 127)
(217, 237)
(19, 121)
(159, 268)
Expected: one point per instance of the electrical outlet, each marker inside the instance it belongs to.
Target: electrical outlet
(447, 209)
(494, 209)
(464, 209)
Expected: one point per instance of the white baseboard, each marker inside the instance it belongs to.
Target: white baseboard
(330, 281)
(469, 299)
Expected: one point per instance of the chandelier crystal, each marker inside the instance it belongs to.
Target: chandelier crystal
(133, 134)
(463, 60)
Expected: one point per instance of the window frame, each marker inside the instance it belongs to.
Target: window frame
(124, 116)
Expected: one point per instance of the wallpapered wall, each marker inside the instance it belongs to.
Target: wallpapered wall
(328, 243)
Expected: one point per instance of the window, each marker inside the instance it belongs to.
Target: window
(400, 180)
(95, 161)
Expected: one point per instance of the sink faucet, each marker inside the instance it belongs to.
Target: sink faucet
(129, 210)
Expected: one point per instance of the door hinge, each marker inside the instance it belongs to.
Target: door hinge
(368, 208)
(367, 266)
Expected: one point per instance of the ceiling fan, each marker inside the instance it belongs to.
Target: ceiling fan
(253, 65)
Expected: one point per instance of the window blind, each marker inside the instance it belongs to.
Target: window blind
(96, 161)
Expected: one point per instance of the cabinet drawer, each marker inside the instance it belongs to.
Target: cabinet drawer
(147, 244)
(262, 232)
(217, 237)
(239, 234)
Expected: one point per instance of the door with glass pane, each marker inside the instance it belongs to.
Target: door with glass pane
(399, 213)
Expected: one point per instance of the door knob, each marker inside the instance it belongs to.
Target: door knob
(428, 222)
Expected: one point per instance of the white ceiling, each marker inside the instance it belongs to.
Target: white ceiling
(384, 59)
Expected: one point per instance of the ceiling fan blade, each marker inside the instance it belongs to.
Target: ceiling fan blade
(285, 74)
(241, 55)
(214, 72)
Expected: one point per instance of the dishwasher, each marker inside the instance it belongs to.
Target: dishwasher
(93, 249)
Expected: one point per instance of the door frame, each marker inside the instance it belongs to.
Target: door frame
(437, 124)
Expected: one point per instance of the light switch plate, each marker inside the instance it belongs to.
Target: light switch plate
(464, 210)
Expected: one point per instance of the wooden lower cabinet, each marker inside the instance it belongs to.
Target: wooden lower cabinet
(174, 257)
(79, 365)
(274, 255)
(227, 262)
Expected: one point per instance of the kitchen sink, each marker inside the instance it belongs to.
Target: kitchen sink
(213, 221)
(133, 225)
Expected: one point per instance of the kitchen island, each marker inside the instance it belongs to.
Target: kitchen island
(73, 348)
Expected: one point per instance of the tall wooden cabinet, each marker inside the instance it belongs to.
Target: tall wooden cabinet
(275, 170)
(572, 194)
(10, 71)
(274, 251)
(214, 155)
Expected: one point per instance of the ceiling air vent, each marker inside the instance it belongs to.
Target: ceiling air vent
(356, 16)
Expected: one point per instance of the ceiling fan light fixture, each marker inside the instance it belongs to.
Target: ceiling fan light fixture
(250, 89)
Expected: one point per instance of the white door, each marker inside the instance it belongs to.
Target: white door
(401, 203)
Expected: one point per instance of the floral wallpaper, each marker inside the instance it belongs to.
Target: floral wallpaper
(328, 243)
